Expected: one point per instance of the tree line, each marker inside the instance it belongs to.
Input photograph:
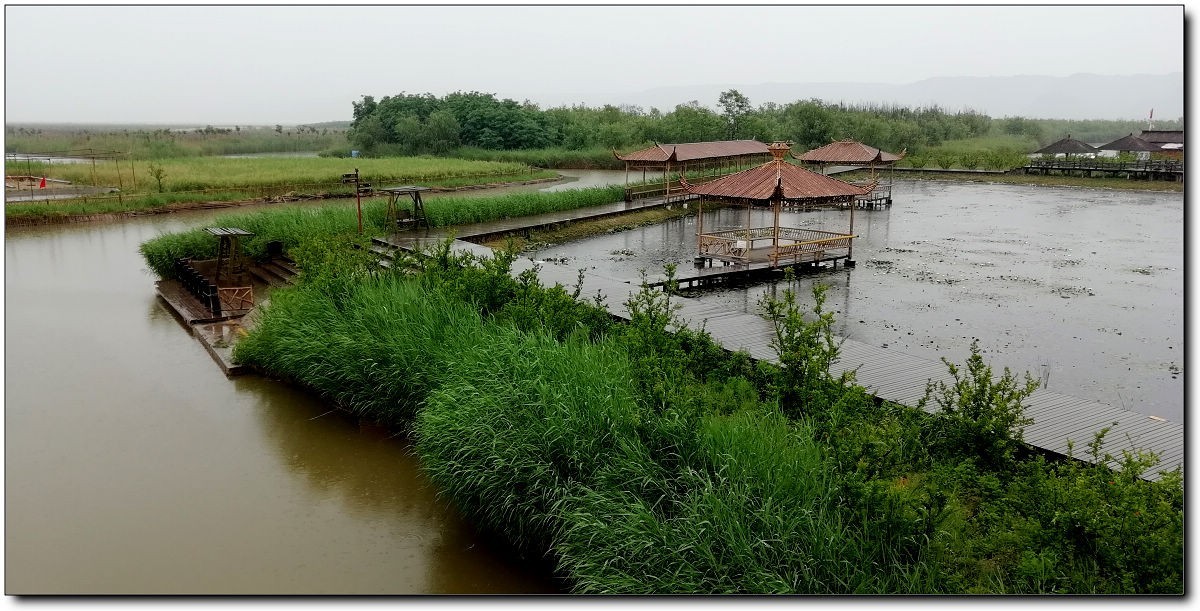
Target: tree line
(409, 124)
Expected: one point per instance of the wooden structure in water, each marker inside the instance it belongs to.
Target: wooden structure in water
(854, 153)
(716, 158)
(775, 184)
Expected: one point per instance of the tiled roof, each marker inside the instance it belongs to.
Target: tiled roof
(691, 151)
(1067, 145)
(1129, 143)
(760, 184)
(848, 152)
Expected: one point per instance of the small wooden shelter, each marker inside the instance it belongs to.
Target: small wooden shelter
(718, 157)
(397, 216)
(1066, 147)
(775, 184)
(854, 153)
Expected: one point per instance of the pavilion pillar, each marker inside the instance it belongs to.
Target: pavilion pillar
(667, 181)
(775, 236)
(850, 241)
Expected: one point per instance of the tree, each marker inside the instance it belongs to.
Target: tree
(734, 106)
(442, 132)
(158, 173)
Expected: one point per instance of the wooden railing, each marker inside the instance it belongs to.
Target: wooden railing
(236, 299)
(659, 190)
(736, 244)
(1157, 165)
(811, 250)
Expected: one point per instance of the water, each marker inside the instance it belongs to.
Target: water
(1082, 288)
(134, 466)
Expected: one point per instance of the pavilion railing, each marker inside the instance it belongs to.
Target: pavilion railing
(736, 244)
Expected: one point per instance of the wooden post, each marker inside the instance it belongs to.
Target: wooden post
(667, 181)
(850, 241)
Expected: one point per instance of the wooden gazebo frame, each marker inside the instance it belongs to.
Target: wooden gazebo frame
(775, 184)
(721, 157)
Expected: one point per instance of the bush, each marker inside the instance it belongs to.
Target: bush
(979, 417)
(971, 160)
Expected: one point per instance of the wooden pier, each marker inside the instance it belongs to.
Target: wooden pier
(889, 375)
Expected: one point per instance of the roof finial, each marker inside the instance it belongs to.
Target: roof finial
(779, 149)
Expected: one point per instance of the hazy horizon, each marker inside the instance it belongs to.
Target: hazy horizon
(296, 65)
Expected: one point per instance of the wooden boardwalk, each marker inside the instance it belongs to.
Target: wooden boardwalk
(889, 375)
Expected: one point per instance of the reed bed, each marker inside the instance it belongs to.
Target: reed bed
(290, 226)
(461, 210)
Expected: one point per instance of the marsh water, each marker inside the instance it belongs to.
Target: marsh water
(134, 466)
(1082, 288)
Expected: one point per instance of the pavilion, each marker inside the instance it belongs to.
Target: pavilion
(854, 153)
(1131, 144)
(775, 184)
(1066, 147)
(719, 157)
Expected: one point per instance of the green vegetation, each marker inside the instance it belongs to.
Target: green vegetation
(298, 226)
(200, 173)
(169, 183)
(643, 460)
(142, 142)
(468, 124)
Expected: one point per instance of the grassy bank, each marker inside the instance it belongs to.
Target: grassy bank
(644, 461)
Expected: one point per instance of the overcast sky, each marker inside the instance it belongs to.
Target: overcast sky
(226, 65)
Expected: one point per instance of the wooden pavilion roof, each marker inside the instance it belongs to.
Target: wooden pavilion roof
(691, 151)
(777, 179)
(1067, 146)
(1129, 143)
(848, 152)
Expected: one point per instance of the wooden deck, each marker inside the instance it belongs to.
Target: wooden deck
(889, 375)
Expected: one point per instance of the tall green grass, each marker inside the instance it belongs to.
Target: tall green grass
(296, 225)
(291, 226)
(460, 210)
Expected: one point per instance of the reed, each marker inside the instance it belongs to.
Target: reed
(460, 210)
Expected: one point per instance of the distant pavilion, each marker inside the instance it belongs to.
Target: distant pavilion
(854, 153)
(1066, 147)
(775, 184)
(719, 157)
(1131, 144)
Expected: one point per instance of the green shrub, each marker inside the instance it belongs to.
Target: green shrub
(979, 416)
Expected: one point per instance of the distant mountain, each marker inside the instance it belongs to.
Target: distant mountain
(1079, 96)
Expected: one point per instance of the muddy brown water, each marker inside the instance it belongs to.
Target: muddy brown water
(1082, 288)
(134, 466)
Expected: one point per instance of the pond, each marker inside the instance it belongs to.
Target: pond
(1081, 288)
